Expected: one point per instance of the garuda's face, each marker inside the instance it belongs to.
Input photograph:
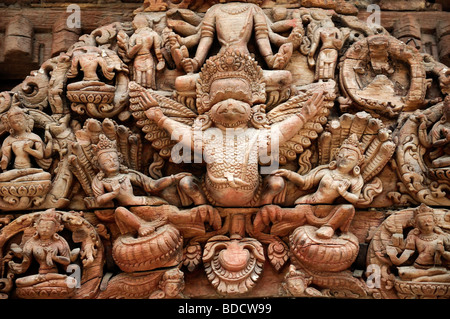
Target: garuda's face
(230, 113)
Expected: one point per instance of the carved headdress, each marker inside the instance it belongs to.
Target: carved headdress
(423, 210)
(230, 75)
(352, 143)
(104, 145)
(50, 215)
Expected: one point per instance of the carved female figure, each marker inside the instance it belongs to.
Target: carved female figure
(331, 39)
(432, 246)
(22, 145)
(48, 249)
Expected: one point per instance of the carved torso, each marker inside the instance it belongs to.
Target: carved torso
(230, 158)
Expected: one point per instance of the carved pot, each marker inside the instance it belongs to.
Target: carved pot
(331, 255)
(162, 248)
(411, 289)
(25, 189)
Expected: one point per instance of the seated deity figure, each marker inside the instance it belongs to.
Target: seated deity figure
(115, 182)
(49, 249)
(20, 147)
(340, 179)
(432, 246)
(439, 137)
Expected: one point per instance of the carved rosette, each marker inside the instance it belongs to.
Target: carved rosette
(233, 265)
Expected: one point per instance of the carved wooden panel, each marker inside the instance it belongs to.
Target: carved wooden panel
(201, 149)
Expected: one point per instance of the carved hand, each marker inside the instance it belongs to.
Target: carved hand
(282, 172)
(122, 39)
(391, 251)
(174, 40)
(161, 64)
(115, 187)
(397, 240)
(154, 114)
(27, 147)
(281, 59)
(312, 106)
(138, 44)
(179, 176)
(4, 163)
(295, 37)
(342, 187)
(189, 65)
(446, 132)
(15, 267)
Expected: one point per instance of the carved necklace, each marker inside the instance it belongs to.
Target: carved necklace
(111, 179)
(338, 177)
(429, 238)
(235, 11)
(45, 243)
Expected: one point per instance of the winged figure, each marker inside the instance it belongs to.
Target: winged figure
(229, 129)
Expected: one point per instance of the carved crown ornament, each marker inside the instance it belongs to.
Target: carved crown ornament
(214, 149)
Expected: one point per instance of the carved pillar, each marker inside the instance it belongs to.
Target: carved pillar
(443, 34)
(407, 29)
(19, 39)
(63, 36)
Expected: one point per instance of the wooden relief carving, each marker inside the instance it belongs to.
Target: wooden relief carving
(230, 149)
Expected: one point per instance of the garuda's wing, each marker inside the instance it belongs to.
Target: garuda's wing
(159, 138)
(297, 148)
